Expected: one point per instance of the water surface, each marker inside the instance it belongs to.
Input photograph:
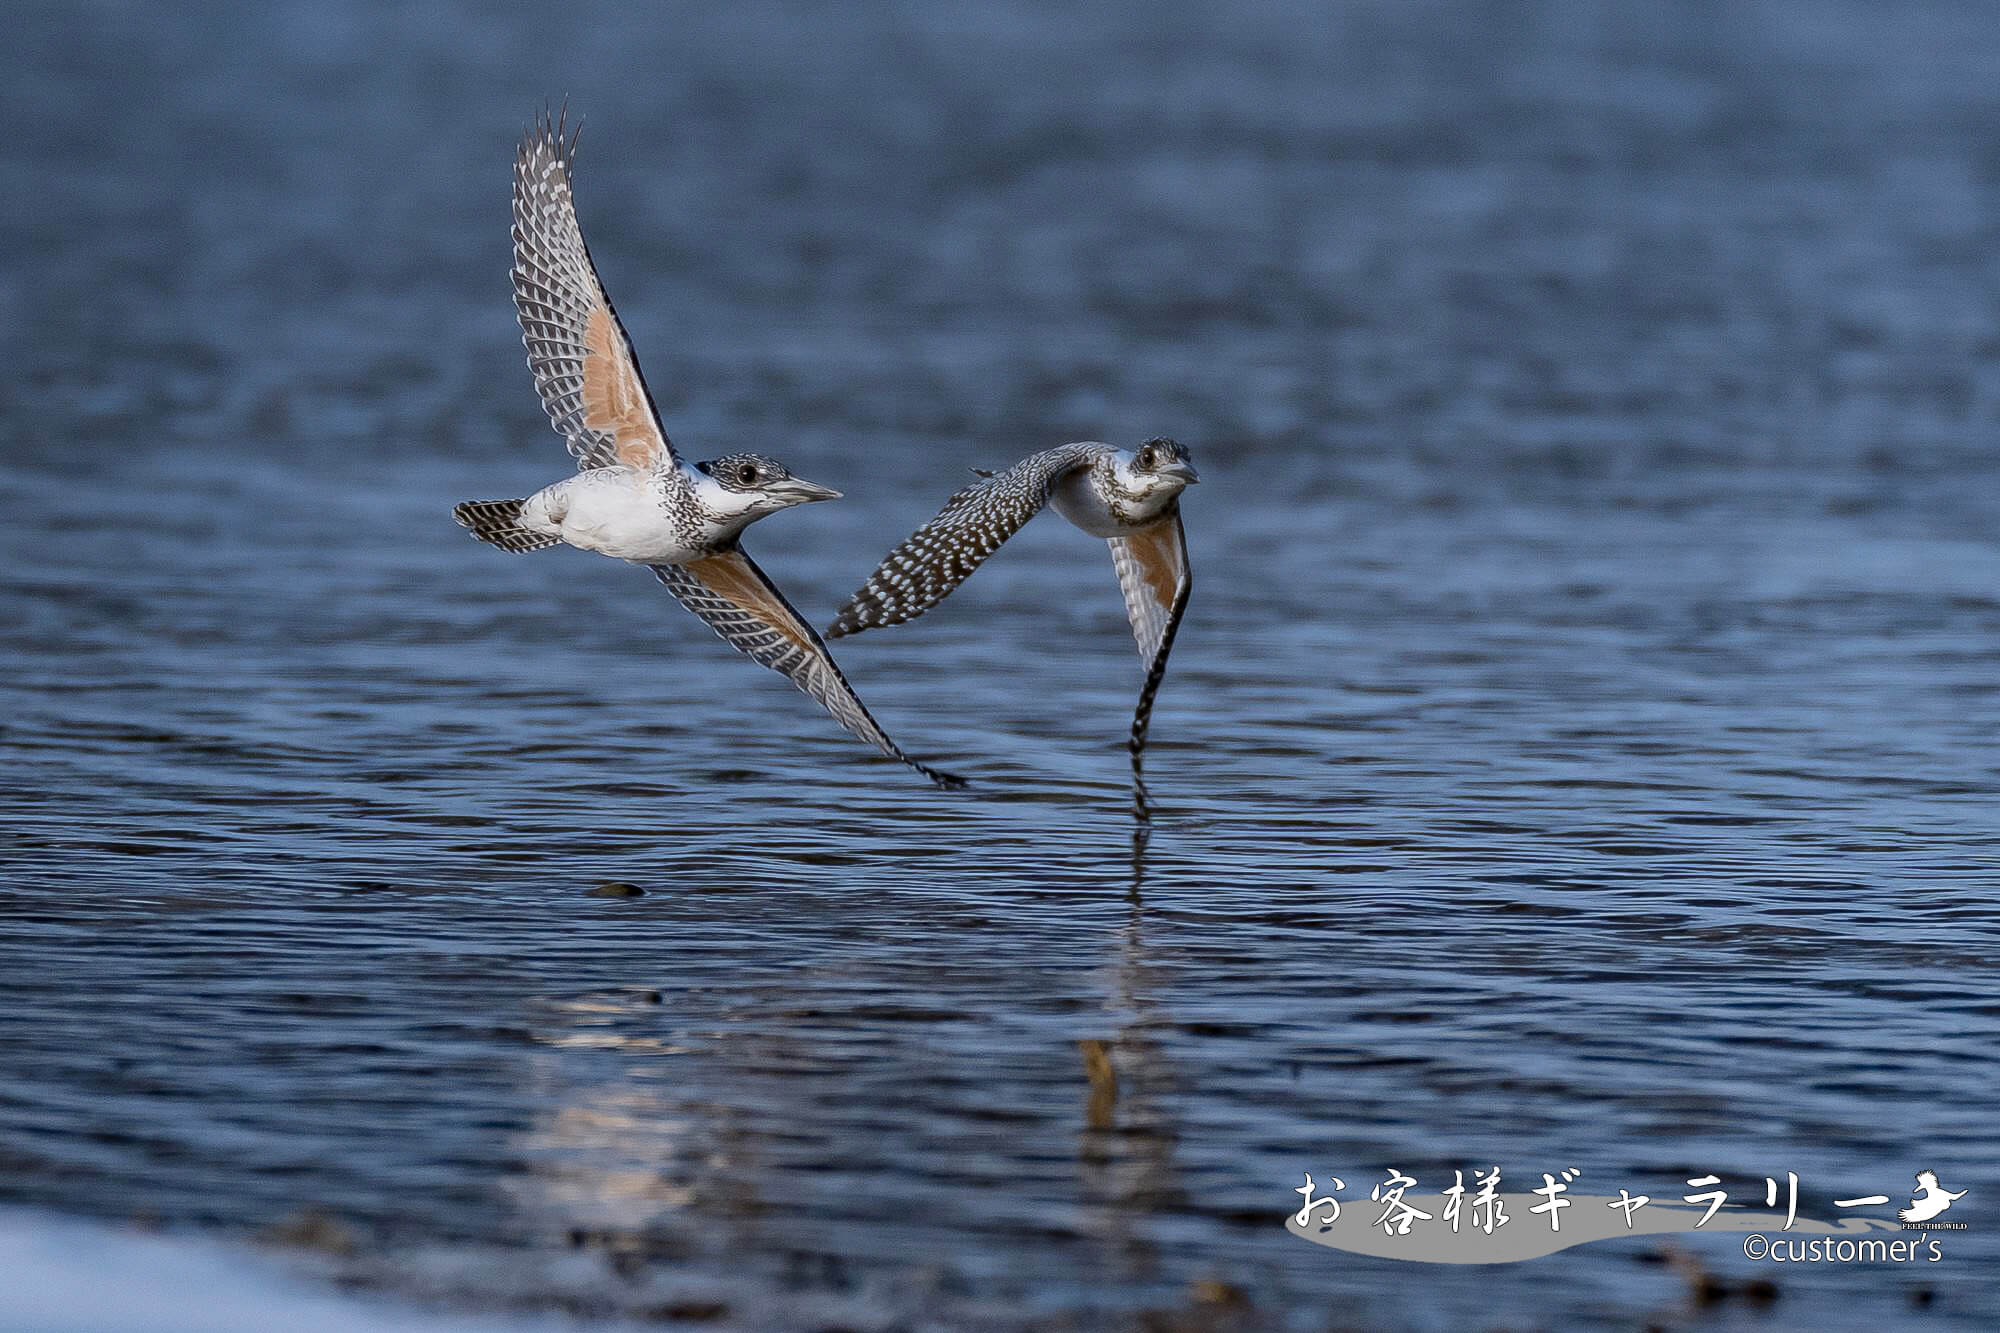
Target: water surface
(1579, 753)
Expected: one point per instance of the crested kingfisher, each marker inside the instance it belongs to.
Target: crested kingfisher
(633, 497)
(1129, 497)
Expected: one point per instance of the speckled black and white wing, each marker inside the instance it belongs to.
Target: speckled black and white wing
(943, 553)
(577, 349)
(742, 605)
(1152, 565)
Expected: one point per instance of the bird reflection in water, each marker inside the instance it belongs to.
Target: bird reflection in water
(629, 1164)
(1125, 1157)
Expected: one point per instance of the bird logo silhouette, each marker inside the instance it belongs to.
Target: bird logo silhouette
(1929, 1200)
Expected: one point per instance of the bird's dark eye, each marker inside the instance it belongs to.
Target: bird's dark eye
(748, 474)
(1147, 457)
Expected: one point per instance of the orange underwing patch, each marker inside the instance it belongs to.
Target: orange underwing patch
(731, 575)
(1159, 560)
(613, 402)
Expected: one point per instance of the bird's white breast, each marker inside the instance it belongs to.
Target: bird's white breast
(614, 511)
(1107, 500)
(1076, 498)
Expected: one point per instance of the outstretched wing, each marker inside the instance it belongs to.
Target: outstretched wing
(1153, 571)
(943, 553)
(743, 606)
(582, 361)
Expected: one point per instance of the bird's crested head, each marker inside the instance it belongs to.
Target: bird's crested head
(749, 486)
(1156, 471)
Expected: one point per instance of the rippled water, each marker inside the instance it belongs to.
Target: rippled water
(1579, 752)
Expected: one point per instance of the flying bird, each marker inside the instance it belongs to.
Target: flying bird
(1129, 497)
(633, 497)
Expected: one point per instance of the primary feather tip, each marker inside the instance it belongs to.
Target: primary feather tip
(847, 621)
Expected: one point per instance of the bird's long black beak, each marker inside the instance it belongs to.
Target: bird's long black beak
(1185, 471)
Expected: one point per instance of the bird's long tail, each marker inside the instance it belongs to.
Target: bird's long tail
(499, 522)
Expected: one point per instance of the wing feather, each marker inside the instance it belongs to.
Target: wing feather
(742, 605)
(1153, 572)
(942, 554)
(578, 351)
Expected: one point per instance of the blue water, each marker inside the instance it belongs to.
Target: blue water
(1578, 753)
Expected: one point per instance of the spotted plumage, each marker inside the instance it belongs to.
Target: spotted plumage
(943, 553)
(499, 522)
(633, 498)
(1130, 498)
(578, 350)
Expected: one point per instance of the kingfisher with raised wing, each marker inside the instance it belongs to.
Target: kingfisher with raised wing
(633, 498)
(1131, 498)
